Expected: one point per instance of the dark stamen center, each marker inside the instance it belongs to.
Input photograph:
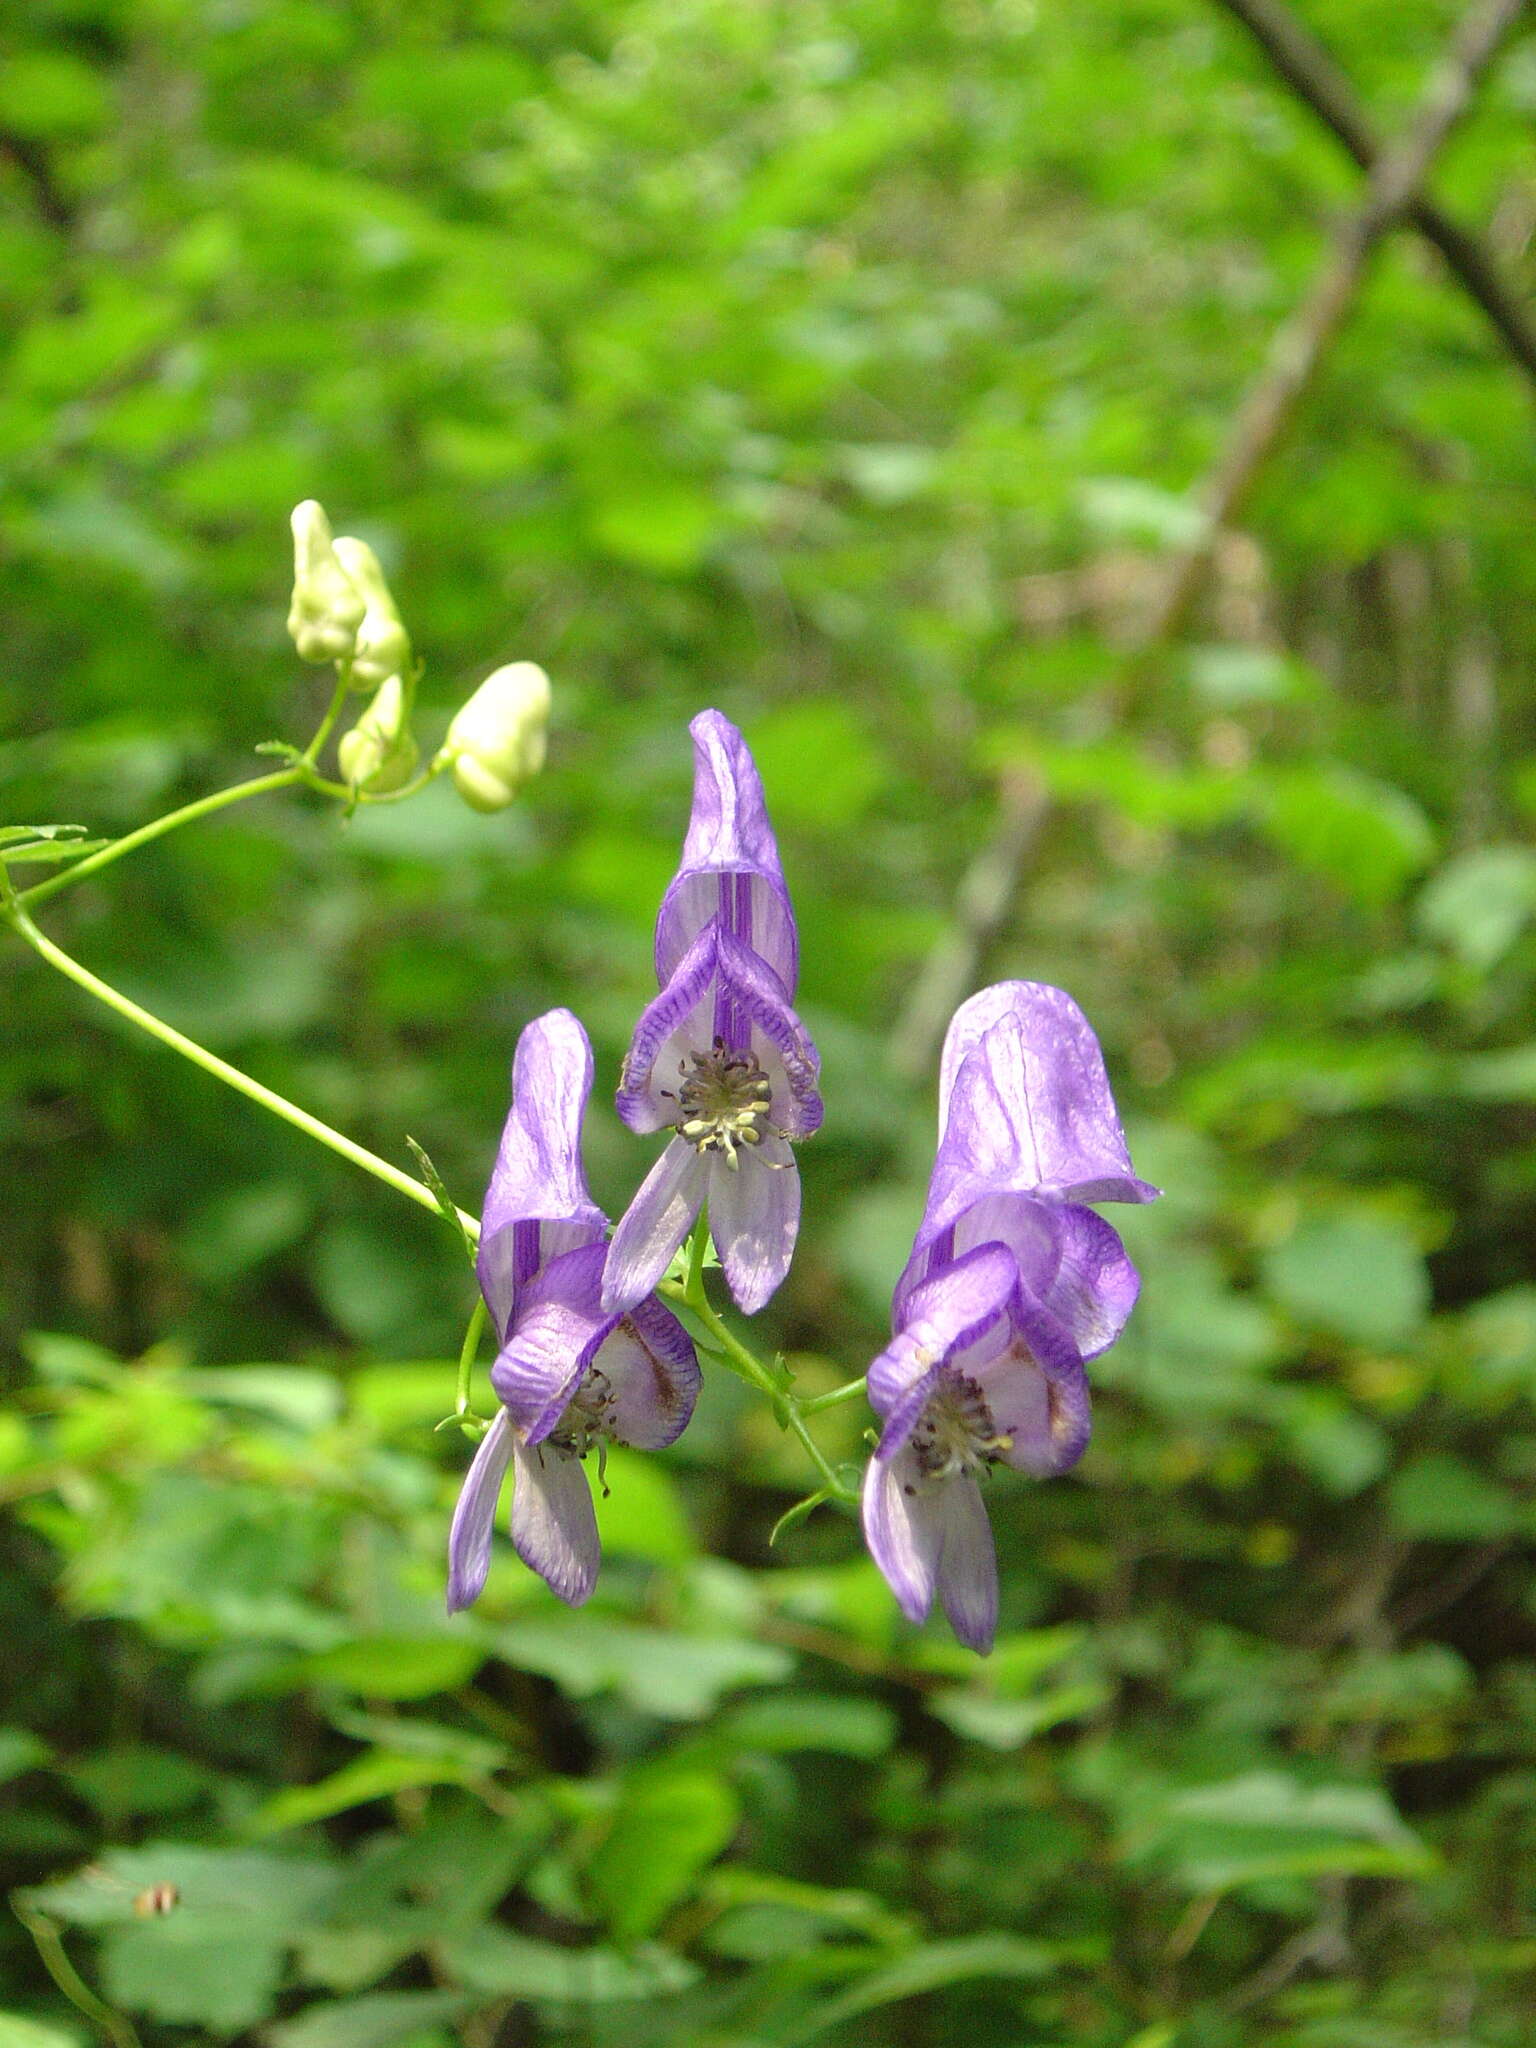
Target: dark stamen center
(955, 1432)
(723, 1102)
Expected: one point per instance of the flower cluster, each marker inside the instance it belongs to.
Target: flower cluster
(570, 1375)
(1014, 1283)
(1012, 1286)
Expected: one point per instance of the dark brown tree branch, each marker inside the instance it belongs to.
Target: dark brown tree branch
(1312, 75)
(1393, 185)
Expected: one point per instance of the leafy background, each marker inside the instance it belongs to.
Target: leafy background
(848, 366)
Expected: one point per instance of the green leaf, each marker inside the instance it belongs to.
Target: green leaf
(16, 2031)
(668, 1826)
(23, 844)
(216, 1960)
(796, 1721)
(497, 1963)
(641, 1514)
(1438, 1496)
(286, 1393)
(376, 1776)
(678, 1677)
(20, 1750)
(1364, 835)
(379, 2020)
(397, 1667)
(1357, 1275)
(1480, 902)
(930, 1968)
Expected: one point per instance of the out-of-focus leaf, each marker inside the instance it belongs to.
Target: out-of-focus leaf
(1365, 836)
(20, 1750)
(1439, 1495)
(398, 1667)
(377, 2021)
(675, 1676)
(495, 1962)
(1480, 902)
(378, 1775)
(667, 1827)
(929, 1968)
(1359, 1276)
(16, 2031)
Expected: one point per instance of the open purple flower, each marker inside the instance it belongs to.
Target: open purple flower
(570, 1376)
(720, 1057)
(1013, 1282)
(967, 1383)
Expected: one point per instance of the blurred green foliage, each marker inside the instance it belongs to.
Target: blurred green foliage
(848, 365)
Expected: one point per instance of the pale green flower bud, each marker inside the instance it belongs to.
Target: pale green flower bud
(327, 608)
(380, 753)
(496, 740)
(383, 648)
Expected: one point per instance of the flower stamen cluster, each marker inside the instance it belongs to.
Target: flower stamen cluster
(724, 1103)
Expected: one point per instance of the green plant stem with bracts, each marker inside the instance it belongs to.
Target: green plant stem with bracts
(787, 1406)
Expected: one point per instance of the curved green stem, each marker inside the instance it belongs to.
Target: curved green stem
(50, 1947)
(467, 1352)
(300, 770)
(204, 807)
(747, 1366)
(836, 1398)
(381, 1169)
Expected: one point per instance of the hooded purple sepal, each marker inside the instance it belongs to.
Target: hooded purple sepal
(730, 867)
(1025, 1108)
(537, 1204)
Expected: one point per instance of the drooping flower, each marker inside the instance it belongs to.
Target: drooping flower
(570, 1376)
(1012, 1284)
(719, 1056)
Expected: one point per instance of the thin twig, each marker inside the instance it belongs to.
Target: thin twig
(1301, 344)
(1309, 70)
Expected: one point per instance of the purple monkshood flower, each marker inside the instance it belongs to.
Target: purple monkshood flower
(1012, 1284)
(570, 1375)
(720, 1058)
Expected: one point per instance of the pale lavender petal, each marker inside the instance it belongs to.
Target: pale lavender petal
(537, 1203)
(967, 1564)
(1037, 1393)
(674, 1024)
(554, 1527)
(730, 867)
(652, 1374)
(556, 1332)
(469, 1539)
(653, 1226)
(903, 1526)
(942, 1316)
(1030, 1113)
(754, 1215)
(1071, 1262)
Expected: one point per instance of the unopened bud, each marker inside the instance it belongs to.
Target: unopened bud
(496, 740)
(383, 648)
(380, 753)
(327, 608)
